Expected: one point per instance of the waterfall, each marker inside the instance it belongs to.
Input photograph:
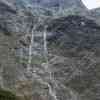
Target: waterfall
(30, 50)
(45, 53)
(52, 93)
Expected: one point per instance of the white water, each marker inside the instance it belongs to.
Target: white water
(54, 84)
(30, 50)
(45, 64)
(52, 92)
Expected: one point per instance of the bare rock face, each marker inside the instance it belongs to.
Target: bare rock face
(75, 44)
(12, 25)
(74, 32)
(69, 70)
(14, 19)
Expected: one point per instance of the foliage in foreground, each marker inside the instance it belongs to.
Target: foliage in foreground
(7, 95)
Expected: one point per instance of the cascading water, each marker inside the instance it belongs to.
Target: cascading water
(42, 45)
(52, 93)
(30, 50)
(45, 64)
(37, 48)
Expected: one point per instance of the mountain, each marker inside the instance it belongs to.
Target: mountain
(75, 31)
(62, 61)
(75, 49)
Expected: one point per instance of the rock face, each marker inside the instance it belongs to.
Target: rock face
(14, 19)
(69, 70)
(75, 32)
(76, 42)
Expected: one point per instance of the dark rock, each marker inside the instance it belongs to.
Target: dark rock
(76, 61)
(5, 8)
(75, 32)
(70, 70)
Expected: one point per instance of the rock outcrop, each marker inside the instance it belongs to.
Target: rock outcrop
(76, 50)
(69, 70)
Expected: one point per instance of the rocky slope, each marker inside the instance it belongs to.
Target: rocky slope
(75, 43)
(70, 68)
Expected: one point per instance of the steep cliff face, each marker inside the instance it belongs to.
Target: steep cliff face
(75, 44)
(75, 32)
(70, 67)
(16, 16)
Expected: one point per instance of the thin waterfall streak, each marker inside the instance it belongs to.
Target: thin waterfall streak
(46, 50)
(45, 46)
(51, 91)
(30, 50)
(53, 94)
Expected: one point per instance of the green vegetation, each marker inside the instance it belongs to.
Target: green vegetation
(7, 95)
(35, 60)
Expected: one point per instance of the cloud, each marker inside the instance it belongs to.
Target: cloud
(91, 4)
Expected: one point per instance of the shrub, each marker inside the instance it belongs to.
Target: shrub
(7, 95)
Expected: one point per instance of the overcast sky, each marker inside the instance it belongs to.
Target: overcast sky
(91, 4)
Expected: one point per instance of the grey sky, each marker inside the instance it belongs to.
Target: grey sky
(91, 4)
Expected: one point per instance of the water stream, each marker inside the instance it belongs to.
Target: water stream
(30, 50)
(52, 92)
(45, 64)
